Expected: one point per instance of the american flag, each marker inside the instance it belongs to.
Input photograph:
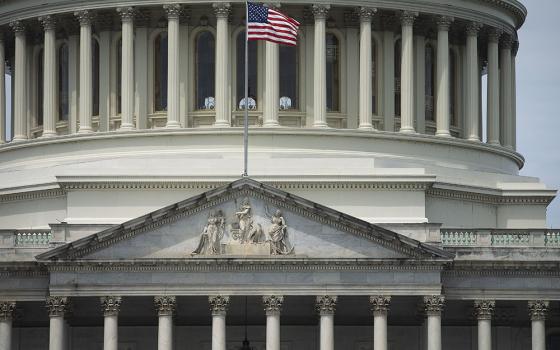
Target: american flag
(268, 24)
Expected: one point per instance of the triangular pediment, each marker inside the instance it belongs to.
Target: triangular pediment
(245, 219)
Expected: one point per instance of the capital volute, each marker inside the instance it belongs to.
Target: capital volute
(473, 28)
(408, 17)
(7, 309)
(127, 13)
(380, 304)
(538, 309)
(494, 35)
(111, 305)
(222, 9)
(57, 306)
(320, 11)
(218, 304)
(165, 305)
(48, 22)
(273, 304)
(444, 22)
(17, 26)
(85, 17)
(433, 304)
(173, 11)
(326, 304)
(484, 309)
(366, 13)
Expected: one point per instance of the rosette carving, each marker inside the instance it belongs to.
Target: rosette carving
(380, 304)
(433, 304)
(111, 305)
(538, 309)
(326, 304)
(218, 304)
(273, 304)
(484, 309)
(57, 306)
(165, 305)
(7, 309)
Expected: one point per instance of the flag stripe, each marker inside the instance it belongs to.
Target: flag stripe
(267, 24)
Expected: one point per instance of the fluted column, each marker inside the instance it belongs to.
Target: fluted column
(484, 309)
(380, 308)
(407, 73)
(514, 94)
(110, 306)
(173, 74)
(505, 91)
(57, 307)
(493, 90)
(320, 13)
(326, 306)
(86, 81)
(218, 306)
(7, 309)
(538, 310)
(434, 306)
(2, 91)
(222, 105)
(272, 85)
(365, 111)
(20, 85)
(472, 78)
(127, 68)
(443, 77)
(272, 307)
(49, 77)
(165, 306)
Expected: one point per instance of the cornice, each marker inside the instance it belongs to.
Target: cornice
(473, 196)
(32, 195)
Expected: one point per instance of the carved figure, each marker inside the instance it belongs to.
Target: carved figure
(245, 230)
(278, 233)
(212, 234)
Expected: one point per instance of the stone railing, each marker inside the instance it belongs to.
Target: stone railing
(32, 239)
(500, 238)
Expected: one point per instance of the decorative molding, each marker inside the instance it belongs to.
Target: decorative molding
(7, 310)
(165, 305)
(272, 304)
(173, 11)
(484, 309)
(85, 17)
(57, 306)
(17, 26)
(488, 198)
(473, 28)
(218, 304)
(407, 18)
(326, 304)
(320, 11)
(433, 304)
(380, 304)
(48, 22)
(222, 9)
(366, 13)
(33, 195)
(110, 305)
(444, 22)
(126, 13)
(538, 309)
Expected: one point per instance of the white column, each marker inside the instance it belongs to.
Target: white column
(49, 77)
(472, 78)
(7, 309)
(20, 88)
(110, 306)
(443, 77)
(86, 81)
(272, 86)
(222, 105)
(104, 78)
(165, 306)
(493, 90)
(366, 82)
(505, 91)
(2, 91)
(127, 77)
(434, 306)
(56, 307)
(484, 310)
(320, 13)
(218, 306)
(326, 306)
(514, 95)
(420, 80)
(73, 80)
(272, 307)
(538, 310)
(380, 308)
(173, 72)
(407, 73)
(140, 76)
(388, 90)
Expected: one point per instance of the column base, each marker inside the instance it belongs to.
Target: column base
(271, 124)
(48, 134)
(443, 133)
(494, 143)
(474, 138)
(407, 131)
(367, 127)
(320, 125)
(173, 125)
(222, 124)
(85, 131)
(126, 127)
(19, 138)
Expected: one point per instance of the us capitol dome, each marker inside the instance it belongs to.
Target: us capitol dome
(384, 210)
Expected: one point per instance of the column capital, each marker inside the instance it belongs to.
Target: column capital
(165, 304)
(320, 11)
(127, 13)
(506, 42)
(17, 26)
(57, 306)
(273, 304)
(222, 9)
(444, 22)
(433, 304)
(473, 28)
(494, 35)
(173, 11)
(484, 309)
(408, 17)
(85, 17)
(326, 304)
(366, 13)
(218, 304)
(48, 22)
(538, 309)
(111, 305)
(379, 304)
(7, 309)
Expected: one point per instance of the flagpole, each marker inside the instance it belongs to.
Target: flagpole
(246, 117)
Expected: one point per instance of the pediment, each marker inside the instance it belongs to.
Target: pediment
(245, 219)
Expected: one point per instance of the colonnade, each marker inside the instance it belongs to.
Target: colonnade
(501, 81)
(272, 304)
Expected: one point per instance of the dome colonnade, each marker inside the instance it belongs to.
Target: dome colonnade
(139, 67)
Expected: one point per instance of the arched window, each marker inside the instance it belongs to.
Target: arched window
(398, 49)
(333, 73)
(160, 72)
(240, 72)
(40, 86)
(205, 67)
(289, 75)
(429, 81)
(63, 91)
(119, 76)
(95, 75)
(374, 77)
(453, 88)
